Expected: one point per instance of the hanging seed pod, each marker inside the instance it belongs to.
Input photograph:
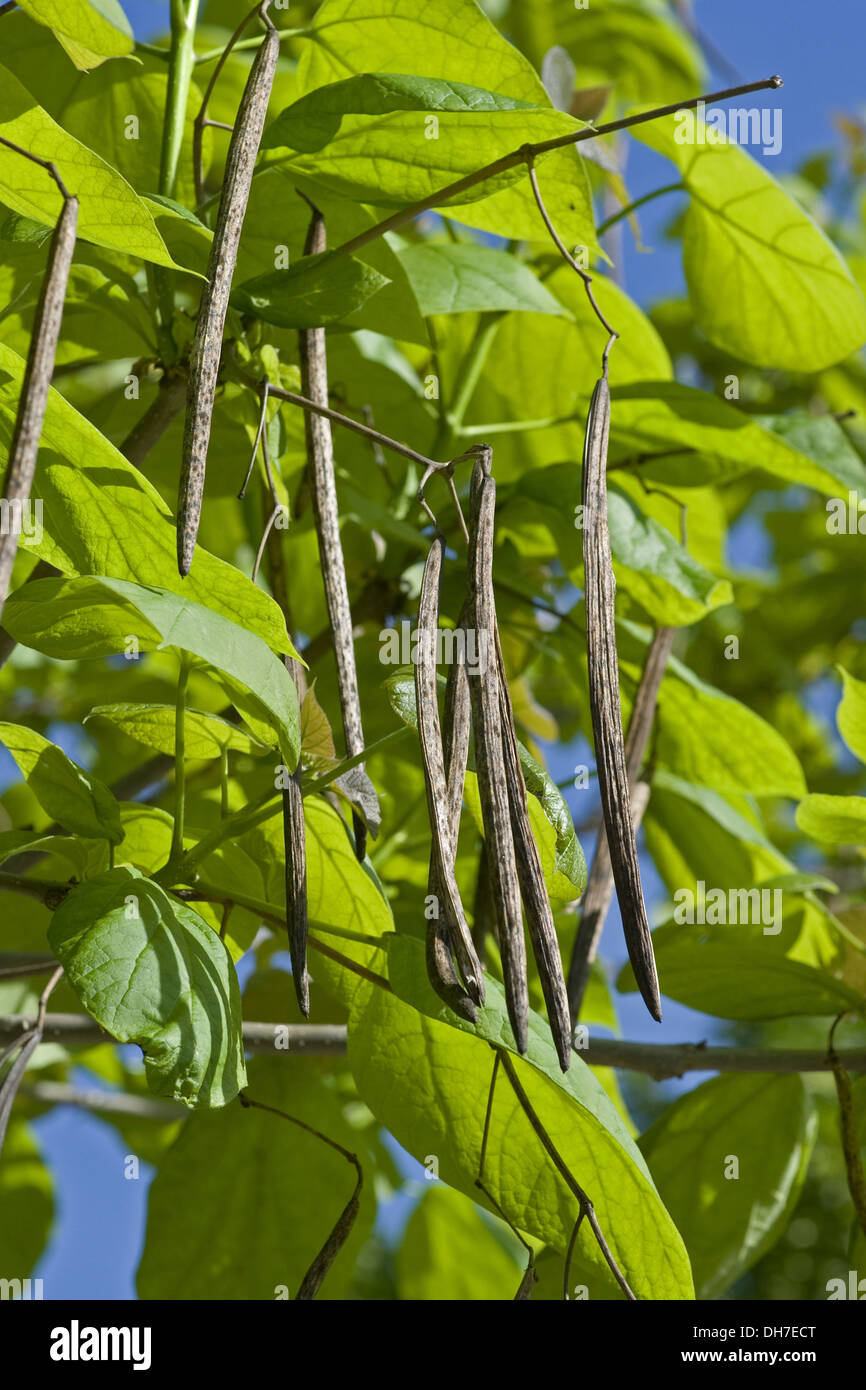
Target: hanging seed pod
(455, 739)
(599, 889)
(455, 735)
(527, 1283)
(294, 839)
(206, 350)
(314, 1277)
(604, 699)
(490, 753)
(453, 927)
(536, 903)
(37, 381)
(320, 456)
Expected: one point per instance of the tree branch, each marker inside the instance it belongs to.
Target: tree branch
(661, 1061)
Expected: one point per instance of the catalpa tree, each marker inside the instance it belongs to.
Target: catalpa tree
(349, 499)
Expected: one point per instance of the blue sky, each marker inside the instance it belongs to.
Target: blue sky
(819, 52)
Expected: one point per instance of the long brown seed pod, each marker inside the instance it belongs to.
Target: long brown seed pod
(314, 1277)
(37, 381)
(490, 754)
(320, 456)
(455, 929)
(536, 903)
(599, 889)
(455, 747)
(207, 342)
(599, 588)
(294, 839)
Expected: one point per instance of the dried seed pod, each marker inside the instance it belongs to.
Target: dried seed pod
(613, 782)
(312, 1280)
(455, 739)
(37, 381)
(206, 350)
(599, 889)
(536, 903)
(436, 783)
(320, 455)
(490, 753)
(527, 1283)
(294, 839)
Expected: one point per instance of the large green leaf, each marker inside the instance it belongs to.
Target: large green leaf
(647, 57)
(394, 161)
(656, 570)
(255, 1239)
(151, 972)
(312, 122)
(341, 893)
(427, 1080)
(72, 618)
(651, 565)
(450, 1252)
(728, 972)
(454, 41)
(841, 820)
(111, 212)
(707, 737)
(729, 1159)
(764, 281)
(205, 735)
(652, 420)
(851, 714)
(90, 32)
(102, 516)
(317, 290)
(277, 217)
(67, 793)
(26, 1203)
(451, 278)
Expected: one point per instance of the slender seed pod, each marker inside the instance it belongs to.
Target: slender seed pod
(206, 350)
(294, 838)
(490, 756)
(34, 392)
(436, 782)
(527, 1283)
(613, 781)
(455, 740)
(536, 903)
(320, 456)
(312, 1280)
